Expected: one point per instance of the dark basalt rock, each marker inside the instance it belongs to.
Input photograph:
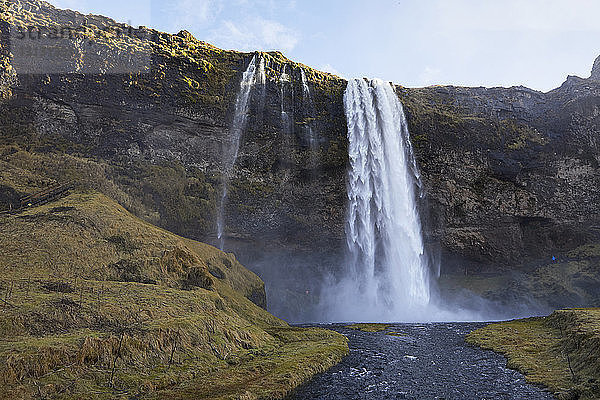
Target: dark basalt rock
(596, 69)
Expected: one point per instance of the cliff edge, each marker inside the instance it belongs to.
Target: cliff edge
(596, 69)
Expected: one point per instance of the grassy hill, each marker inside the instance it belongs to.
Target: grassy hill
(559, 351)
(97, 303)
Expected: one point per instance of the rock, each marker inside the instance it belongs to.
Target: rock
(596, 69)
(186, 35)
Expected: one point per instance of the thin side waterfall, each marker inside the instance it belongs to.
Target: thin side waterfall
(387, 276)
(309, 112)
(261, 79)
(284, 80)
(230, 153)
(287, 119)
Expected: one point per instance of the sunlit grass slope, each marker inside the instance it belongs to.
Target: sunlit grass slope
(97, 303)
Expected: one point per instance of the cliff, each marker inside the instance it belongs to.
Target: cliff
(511, 177)
(511, 174)
(596, 70)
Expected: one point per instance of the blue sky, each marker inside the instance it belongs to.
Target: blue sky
(535, 43)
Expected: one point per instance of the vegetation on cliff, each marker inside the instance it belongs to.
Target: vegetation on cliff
(570, 279)
(559, 351)
(164, 194)
(188, 87)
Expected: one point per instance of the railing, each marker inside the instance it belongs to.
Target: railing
(42, 197)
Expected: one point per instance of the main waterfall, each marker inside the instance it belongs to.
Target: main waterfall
(386, 276)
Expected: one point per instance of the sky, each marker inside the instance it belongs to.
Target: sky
(534, 43)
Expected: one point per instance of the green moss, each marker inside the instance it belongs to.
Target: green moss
(591, 250)
(419, 141)
(165, 194)
(571, 279)
(185, 198)
(529, 346)
(476, 283)
(427, 109)
(249, 194)
(17, 129)
(518, 136)
(252, 187)
(336, 155)
(192, 84)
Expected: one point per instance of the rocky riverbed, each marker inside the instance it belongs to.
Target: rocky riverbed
(419, 361)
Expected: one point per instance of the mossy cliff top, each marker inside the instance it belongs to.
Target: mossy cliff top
(559, 351)
(172, 69)
(99, 304)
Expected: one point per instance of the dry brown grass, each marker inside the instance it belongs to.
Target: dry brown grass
(97, 303)
(560, 351)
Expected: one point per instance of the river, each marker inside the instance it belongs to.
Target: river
(425, 361)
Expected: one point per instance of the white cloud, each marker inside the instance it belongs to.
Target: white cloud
(430, 75)
(329, 68)
(135, 12)
(192, 14)
(70, 4)
(267, 6)
(530, 15)
(254, 33)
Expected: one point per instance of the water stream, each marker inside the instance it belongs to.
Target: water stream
(309, 113)
(386, 276)
(426, 361)
(287, 120)
(230, 152)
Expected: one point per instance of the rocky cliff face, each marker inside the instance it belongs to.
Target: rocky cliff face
(596, 70)
(511, 174)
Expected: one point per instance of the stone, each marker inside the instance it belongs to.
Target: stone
(596, 69)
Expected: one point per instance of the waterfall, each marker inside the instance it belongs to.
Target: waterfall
(261, 79)
(386, 276)
(305, 88)
(309, 112)
(230, 153)
(284, 79)
(287, 120)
